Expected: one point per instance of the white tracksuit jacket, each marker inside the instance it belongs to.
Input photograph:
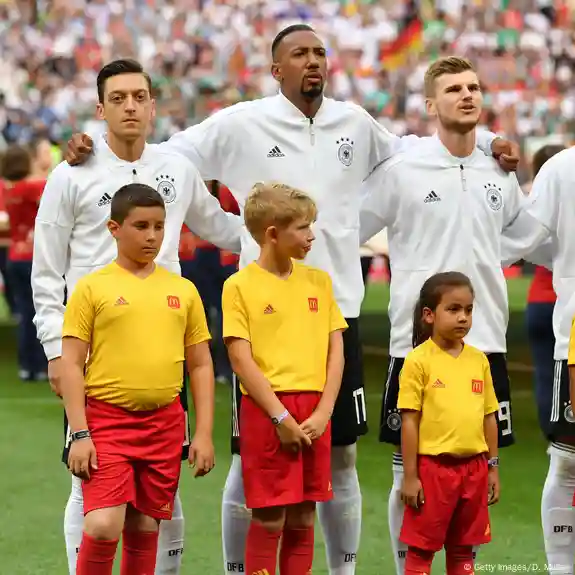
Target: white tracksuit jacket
(328, 157)
(71, 238)
(444, 213)
(551, 204)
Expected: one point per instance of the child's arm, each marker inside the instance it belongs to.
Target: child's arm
(74, 354)
(412, 490)
(491, 433)
(260, 391)
(315, 425)
(201, 372)
(252, 378)
(410, 402)
(77, 334)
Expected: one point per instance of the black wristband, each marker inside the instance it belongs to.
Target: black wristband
(82, 434)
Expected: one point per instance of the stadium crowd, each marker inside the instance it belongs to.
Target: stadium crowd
(206, 54)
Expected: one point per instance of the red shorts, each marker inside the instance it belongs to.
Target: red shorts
(275, 477)
(455, 510)
(139, 457)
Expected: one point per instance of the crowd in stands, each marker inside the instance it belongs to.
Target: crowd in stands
(207, 54)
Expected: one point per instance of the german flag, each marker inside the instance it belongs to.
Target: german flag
(409, 39)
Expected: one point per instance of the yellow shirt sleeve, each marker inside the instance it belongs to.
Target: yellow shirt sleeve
(235, 314)
(80, 313)
(411, 384)
(336, 320)
(571, 354)
(491, 403)
(196, 323)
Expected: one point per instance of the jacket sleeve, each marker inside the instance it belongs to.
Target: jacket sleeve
(379, 207)
(526, 233)
(207, 219)
(208, 146)
(52, 231)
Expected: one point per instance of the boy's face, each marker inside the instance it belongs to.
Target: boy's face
(141, 234)
(294, 240)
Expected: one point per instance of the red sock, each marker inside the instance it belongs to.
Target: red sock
(96, 556)
(261, 550)
(139, 550)
(296, 551)
(459, 560)
(418, 561)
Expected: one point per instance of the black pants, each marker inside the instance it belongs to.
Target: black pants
(8, 288)
(31, 358)
(539, 318)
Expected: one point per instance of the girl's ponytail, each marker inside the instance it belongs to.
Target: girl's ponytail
(421, 330)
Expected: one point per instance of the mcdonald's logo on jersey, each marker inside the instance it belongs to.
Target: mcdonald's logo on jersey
(174, 301)
(313, 305)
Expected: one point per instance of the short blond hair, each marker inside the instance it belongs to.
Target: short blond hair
(275, 204)
(449, 65)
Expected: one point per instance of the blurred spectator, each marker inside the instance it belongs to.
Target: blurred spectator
(206, 54)
(21, 196)
(208, 268)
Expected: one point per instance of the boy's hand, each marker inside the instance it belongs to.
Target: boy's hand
(79, 148)
(412, 492)
(315, 425)
(82, 458)
(292, 437)
(202, 456)
(493, 479)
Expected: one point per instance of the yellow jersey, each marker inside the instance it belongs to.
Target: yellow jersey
(287, 322)
(453, 394)
(138, 329)
(571, 352)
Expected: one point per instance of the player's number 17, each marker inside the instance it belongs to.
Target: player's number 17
(360, 409)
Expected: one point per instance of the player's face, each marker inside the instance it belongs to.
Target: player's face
(295, 240)
(301, 65)
(141, 234)
(452, 318)
(457, 102)
(128, 107)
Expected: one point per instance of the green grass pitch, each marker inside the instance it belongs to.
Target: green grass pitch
(35, 485)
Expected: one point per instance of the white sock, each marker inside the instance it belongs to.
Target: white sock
(395, 508)
(171, 541)
(557, 515)
(340, 518)
(235, 519)
(74, 523)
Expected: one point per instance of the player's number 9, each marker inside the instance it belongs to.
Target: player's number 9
(505, 418)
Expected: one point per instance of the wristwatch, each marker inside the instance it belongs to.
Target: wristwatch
(493, 462)
(277, 420)
(77, 435)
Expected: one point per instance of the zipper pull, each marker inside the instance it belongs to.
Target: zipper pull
(135, 174)
(463, 178)
(311, 132)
